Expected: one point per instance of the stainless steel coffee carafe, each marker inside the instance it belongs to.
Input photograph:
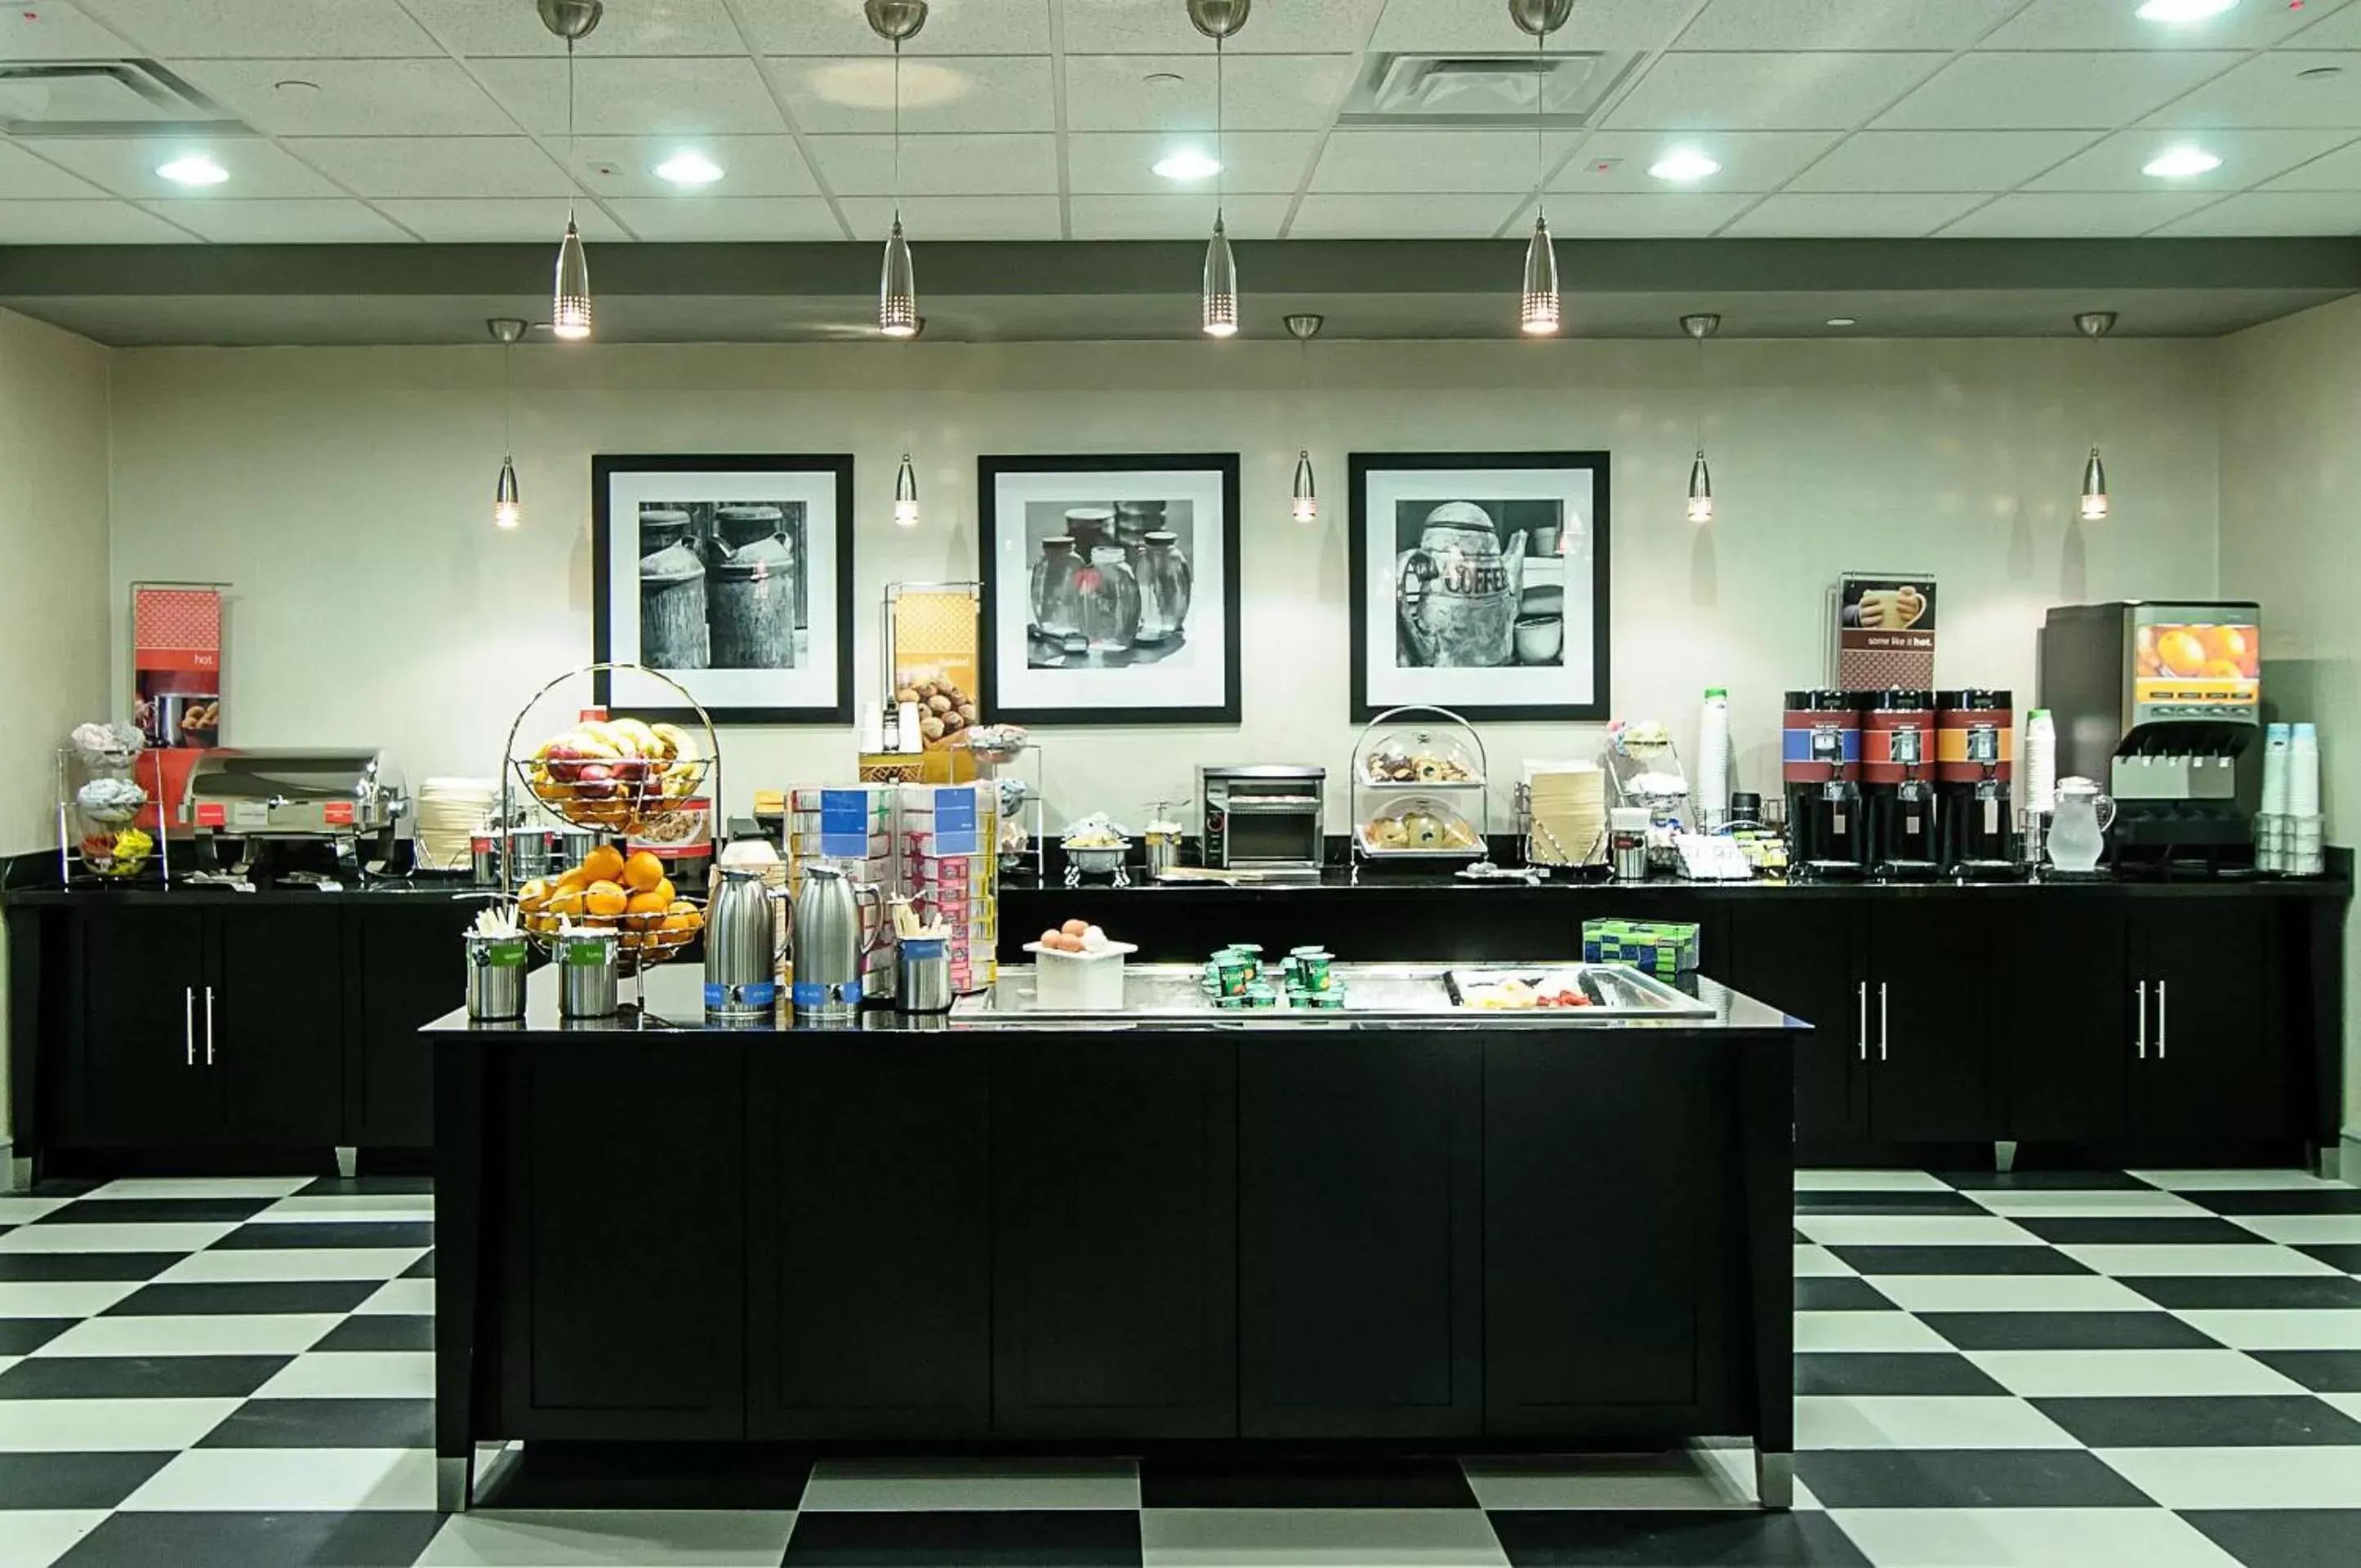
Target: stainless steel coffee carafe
(829, 944)
(742, 958)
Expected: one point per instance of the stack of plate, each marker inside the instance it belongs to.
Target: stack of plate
(1569, 815)
(450, 813)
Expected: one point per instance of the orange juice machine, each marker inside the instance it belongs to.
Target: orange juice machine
(2160, 704)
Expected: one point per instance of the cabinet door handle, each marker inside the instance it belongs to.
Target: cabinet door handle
(2160, 1021)
(1860, 1030)
(209, 1026)
(189, 1025)
(1883, 1033)
(2141, 1005)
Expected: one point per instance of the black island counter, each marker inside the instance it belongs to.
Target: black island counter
(1408, 1226)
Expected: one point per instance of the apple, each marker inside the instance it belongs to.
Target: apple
(594, 781)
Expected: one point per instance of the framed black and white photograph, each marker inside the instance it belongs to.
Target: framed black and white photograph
(733, 576)
(1479, 583)
(1110, 590)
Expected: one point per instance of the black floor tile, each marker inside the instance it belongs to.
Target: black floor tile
(2203, 1420)
(1046, 1538)
(328, 1234)
(361, 1186)
(326, 1423)
(1873, 1372)
(64, 1186)
(1838, 1293)
(2252, 1292)
(22, 1336)
(1668, 1538)
(2138, 1230)
(2067, 1331)
(1959, 1260)
(2345, 1255)
(367, 1539)
(380, 1331)
(1964, 1478)
(1373, 1483)
(155, 1210)
(1887, 1203)
(72, 1480)
(2295, 1200)
(2322, 1370)
(768, 1476)
(21, 1267)
(423, 1269)
(137, 1377)
(2044, 1181)
(2282, 1538)
(268, 1295)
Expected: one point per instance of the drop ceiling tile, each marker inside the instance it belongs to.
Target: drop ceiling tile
(126, 166)
(1265, 93)
(729, 218)
(1402, 217)
(24, 177)
(986, 164)
(1752, 25)
(85, 222)
(1940, 160)
(837, 26)
(751, 166)
(2080, 23)
(2052, 214)
(55, 31)
(374, 97)
(2248, 158)
(2055, 91)
(1162, 26)
(638, 27)
(508, 219)
(978, 93)
(2264, 91)
(1413, 161)
(2339, 170)
(1124, 162)
(2337, 30)
(635, 97)
(266, 29)
(1177, 214)
(1664, 214)
(1750, 160)
(236, 222)
(432, 166)
(1482, 27)
(955, 217)
(1768, 92)
(1823, 215)
(2276, 213)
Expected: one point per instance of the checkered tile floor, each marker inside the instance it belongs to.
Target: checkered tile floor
(2159, 1368)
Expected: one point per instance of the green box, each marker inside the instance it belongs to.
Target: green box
(1660, 947)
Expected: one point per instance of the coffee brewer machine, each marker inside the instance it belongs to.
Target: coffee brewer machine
(1820, 760)
(1897, 771)
(2163, 703)
(1975, 747)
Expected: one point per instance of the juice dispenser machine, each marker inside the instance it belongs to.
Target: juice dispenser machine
(1820, 762)
(1897, 770)
(1975, 752)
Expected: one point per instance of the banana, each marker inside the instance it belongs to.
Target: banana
(641, 740)
(675, 743)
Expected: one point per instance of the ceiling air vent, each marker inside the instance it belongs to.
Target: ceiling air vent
(1484, 90)
(106, 98)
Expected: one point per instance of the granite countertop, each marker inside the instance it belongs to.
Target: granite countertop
(1334, 880)
(409, 889)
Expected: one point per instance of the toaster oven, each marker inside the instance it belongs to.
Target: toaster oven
(1266, 819)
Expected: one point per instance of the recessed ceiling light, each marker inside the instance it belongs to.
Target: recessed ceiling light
(1685, 164)
(194, 169)
(2181, 162)
(2182, 10)
(295, 84)
(1163, 78)
(1186, 163)
(689, 167)
(2319, 72)
(1843, 321)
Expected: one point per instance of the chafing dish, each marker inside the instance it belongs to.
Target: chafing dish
(296, 811)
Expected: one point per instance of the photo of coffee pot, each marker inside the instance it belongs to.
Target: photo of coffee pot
(1456, 590)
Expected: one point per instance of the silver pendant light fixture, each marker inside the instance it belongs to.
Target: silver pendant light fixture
(1303, 505)
(2094, 325)
(569, 305)
(905, 495)
(897, 21)
(1700, 326)
(507, 508)
(1218, 21)
(1538, 314)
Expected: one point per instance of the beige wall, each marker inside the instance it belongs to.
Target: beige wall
(346, 493)
(2291, 465)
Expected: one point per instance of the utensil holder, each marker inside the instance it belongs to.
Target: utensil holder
(922, 978)
(495, 977)
(585, 973)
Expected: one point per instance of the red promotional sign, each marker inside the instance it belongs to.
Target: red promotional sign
(212, 814)
(337, 813)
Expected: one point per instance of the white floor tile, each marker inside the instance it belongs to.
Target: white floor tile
(349, 1206)
(1913, 1230)
(35, 1538)
(2028, 1538)
(354, 1374)
(1831, 1421)
(291, 1480)
(160, 1237)
(2306, 1230)
(1819, 1263)
(2066, 1374)
(1684, 1478)
(2242, 1477)
(2315, 1328)
(1865, 1331)
(888, 1485)
(2036, 1203)
(24, 1210)
(244, 1265)
(2009, 1293)
(202, 1187)
(2231, 1180)
(112, 1426)
(1364, 1538)
(60, 1298)
(1869, 1181)
(199, 1333)
(2138, 1262)
(598, 1539)
(402, 1297)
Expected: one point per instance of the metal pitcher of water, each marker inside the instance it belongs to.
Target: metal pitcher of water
(742, 958)
(829, 943)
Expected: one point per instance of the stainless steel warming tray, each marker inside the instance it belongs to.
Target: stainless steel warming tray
(1375, 995)
(293, 792)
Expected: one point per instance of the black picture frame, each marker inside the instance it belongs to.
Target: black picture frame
(605, 467)
(1361, 466)
(990, 469)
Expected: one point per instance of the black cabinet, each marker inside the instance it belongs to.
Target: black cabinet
(144, 1074)
(1806, 960)
(869, 1264)
(274, 1031)
(405, 971)
(1929, 1000)
(1360, 1245)
(2067, 1000)
(2209, 1064)
(1114, 1236)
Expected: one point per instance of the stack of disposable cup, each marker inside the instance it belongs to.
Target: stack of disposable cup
(2040, 777)
(2270, 821)
(1712, 793)
(2306, 855)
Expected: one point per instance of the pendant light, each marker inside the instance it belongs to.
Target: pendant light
(508, 509)
(1700, 326)
(897, 287)
(1218, 19)
(2094, 325)
(1303, 506)
(905, 495)
(570, 306)
(1539, 313)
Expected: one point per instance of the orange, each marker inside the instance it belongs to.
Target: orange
(603, 898)
(2226, 642)
(665, 891)
(677, 921)
(2182, 650)
(645, 910)
(533, 895)
(574, 881)
(604, 864)
(642, 871)
(567, 902)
